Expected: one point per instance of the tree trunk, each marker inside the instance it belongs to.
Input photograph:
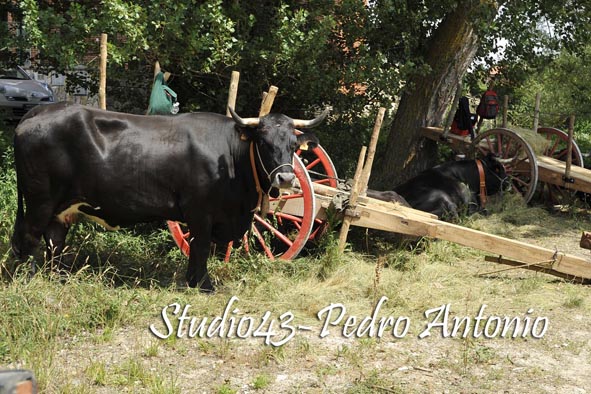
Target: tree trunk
(449, 53)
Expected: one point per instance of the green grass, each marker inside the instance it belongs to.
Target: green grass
(85, 330)
(261, 382)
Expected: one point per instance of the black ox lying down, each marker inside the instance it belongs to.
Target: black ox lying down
(445, 190)
(121, 169)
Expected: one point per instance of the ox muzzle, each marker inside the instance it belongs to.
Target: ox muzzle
(281, 177)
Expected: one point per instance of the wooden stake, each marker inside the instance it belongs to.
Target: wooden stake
(371, 152)
(537, 112)
(233, 93)
(103, 73)
(569, 149)
(352, 199)
(505, 109)
(268, 101)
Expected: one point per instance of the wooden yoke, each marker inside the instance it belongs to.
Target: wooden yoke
(266, 104)
(361, 179)
(103, 73)
(268, 99)
(233, 93)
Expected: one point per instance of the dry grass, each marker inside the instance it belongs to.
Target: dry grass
(88, 331)
(538, 142)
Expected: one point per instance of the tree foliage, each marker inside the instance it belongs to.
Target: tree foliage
(352, 56)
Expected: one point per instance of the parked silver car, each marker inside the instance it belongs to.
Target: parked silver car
(19, 93)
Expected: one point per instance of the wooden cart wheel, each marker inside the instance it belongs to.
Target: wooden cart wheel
(557, 149)
(558, 145)
(322, 171)
(283, 232)
(515, 153)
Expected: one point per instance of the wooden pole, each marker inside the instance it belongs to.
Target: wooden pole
(569, 149)
(505, 110)
(352, 199)
(268, 101)
(373, 142)
(103, 73)
(233, 93)
(537, 112)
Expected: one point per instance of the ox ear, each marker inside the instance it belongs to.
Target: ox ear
(307, 141)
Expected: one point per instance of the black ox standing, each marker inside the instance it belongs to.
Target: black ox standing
(121, 169)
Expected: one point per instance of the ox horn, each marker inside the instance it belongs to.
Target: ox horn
(504, 161)
(306, 124)
(246, 122)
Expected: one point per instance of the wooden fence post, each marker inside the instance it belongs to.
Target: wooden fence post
(373, 142)
(505, 110)
(537, 112)
(569, 149)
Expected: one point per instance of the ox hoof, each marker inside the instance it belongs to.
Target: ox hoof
(204, 285)
(16, 251)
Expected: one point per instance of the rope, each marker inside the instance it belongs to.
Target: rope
(539, 264)
(265, 168)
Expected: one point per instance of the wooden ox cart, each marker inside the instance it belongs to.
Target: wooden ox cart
(555, 171)
(300, 214)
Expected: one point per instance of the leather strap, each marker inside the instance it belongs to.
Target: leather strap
(256, 179)
(482, 183)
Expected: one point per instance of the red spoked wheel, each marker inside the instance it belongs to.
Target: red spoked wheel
(285, 229)
(558, 149)
(559, 144)
(321, 171)
(290, 219)
(180, 236)
(515, 153)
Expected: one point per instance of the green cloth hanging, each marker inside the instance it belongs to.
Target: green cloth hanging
(162, 98)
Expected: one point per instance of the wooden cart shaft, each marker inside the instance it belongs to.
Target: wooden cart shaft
(392, 217)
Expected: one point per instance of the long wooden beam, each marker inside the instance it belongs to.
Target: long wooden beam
(397, 218)
(552, 171)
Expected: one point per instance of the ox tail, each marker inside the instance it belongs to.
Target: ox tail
(17, 235)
